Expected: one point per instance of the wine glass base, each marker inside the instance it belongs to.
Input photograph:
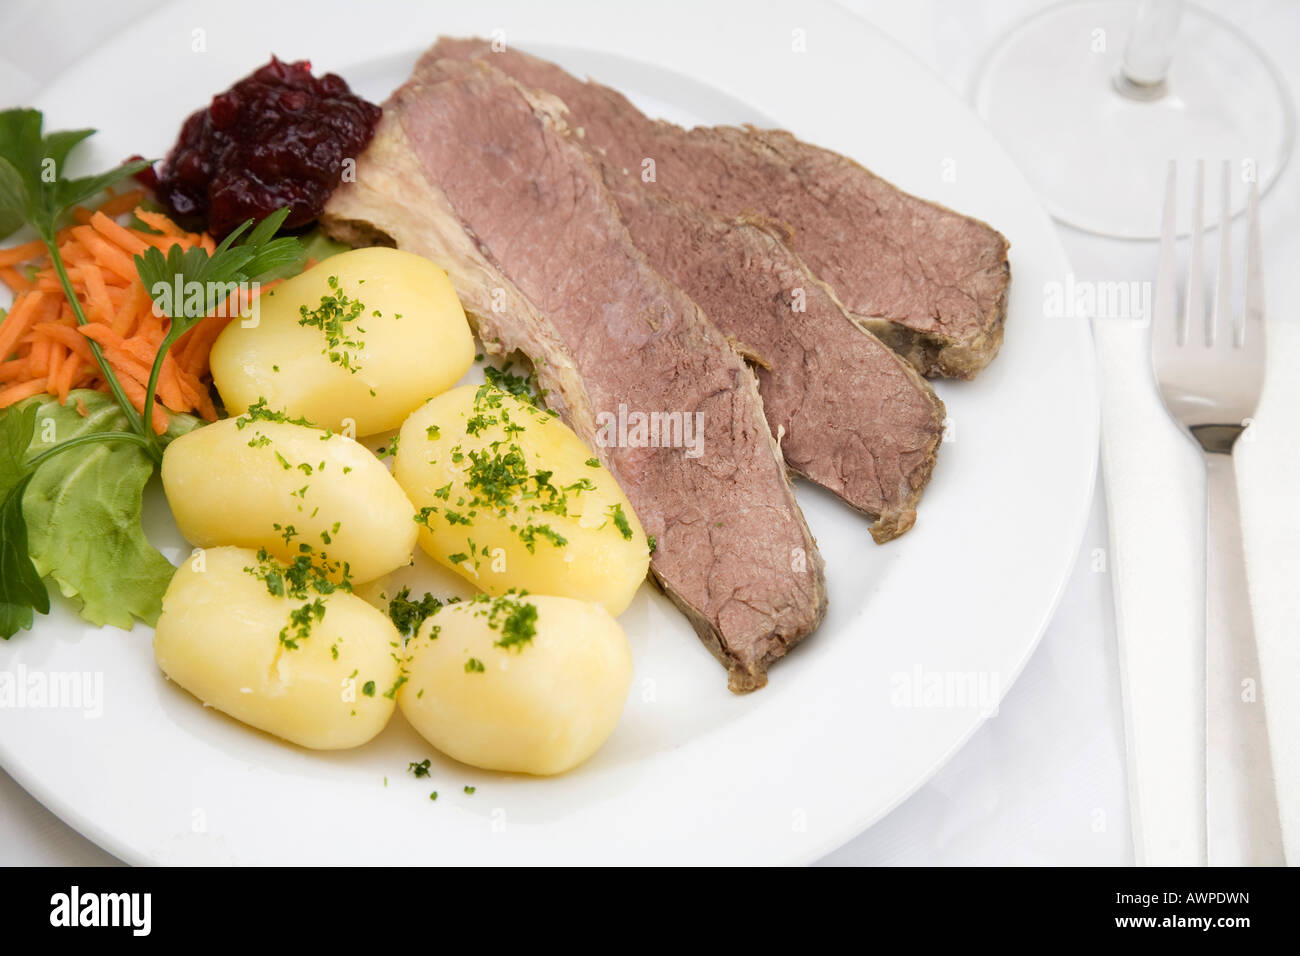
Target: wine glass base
(1051, 92)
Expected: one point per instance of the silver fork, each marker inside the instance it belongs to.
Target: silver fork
(1209, 366)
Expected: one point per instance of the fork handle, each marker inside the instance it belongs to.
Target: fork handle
(1241, 820)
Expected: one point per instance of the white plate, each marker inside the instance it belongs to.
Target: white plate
(693, 774)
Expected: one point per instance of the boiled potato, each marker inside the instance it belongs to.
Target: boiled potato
(510, 498)
(223, 636)
(364, 337)
(292, 490)
(526, 684)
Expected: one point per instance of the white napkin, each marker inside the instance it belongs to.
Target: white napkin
(1155, 487)
(1268, 478)
(1154, 492)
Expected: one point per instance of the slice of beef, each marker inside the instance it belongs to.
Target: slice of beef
(848, 413)
(482, 176)
(930, 282)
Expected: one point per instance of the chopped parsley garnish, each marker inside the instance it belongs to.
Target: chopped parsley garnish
(336, 317)
(420, 769)
(523, 387)
(593, 462)
(519, 627)
(470, 790)
(298, 580)
(620, 522)
(368, 688)
(530, 533)
(407, 615)
(514, 618)
(300, 622)
(259, 412)
(474, 666)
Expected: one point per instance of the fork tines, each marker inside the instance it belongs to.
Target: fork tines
(1209, 364)
(1175, 327)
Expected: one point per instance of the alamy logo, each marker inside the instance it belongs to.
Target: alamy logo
(1082, 299)
(626, 429)
(22, 689)
(196, 300)
(75, 908)
(960, 690)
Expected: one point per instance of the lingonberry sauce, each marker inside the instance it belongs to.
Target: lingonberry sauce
(278, 137)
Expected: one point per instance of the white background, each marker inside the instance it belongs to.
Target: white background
(1043, 782)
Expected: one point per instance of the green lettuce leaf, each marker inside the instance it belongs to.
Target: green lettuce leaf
(83, 513)
(21, 587)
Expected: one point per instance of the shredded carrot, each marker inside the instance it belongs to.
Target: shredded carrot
(18, 321)
(15, 279)
(24, 253)
(97, 291)
(16, 393)
(66, 336)
(43, 349)
(126, 239)
(54, 367)
(108, 255)
(121, 204)
(40, 356)
(128, 314)
(159, 222)
(63, 383)
(135, 392)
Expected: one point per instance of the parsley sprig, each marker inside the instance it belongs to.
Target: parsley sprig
(212, 275)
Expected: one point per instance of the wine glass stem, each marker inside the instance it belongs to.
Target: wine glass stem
(1149, 49)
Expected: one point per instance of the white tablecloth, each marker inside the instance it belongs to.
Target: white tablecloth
(1041, 783)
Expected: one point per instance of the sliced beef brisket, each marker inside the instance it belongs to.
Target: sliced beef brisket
(930, 282)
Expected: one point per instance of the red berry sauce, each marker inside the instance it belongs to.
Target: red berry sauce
(278, 137)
